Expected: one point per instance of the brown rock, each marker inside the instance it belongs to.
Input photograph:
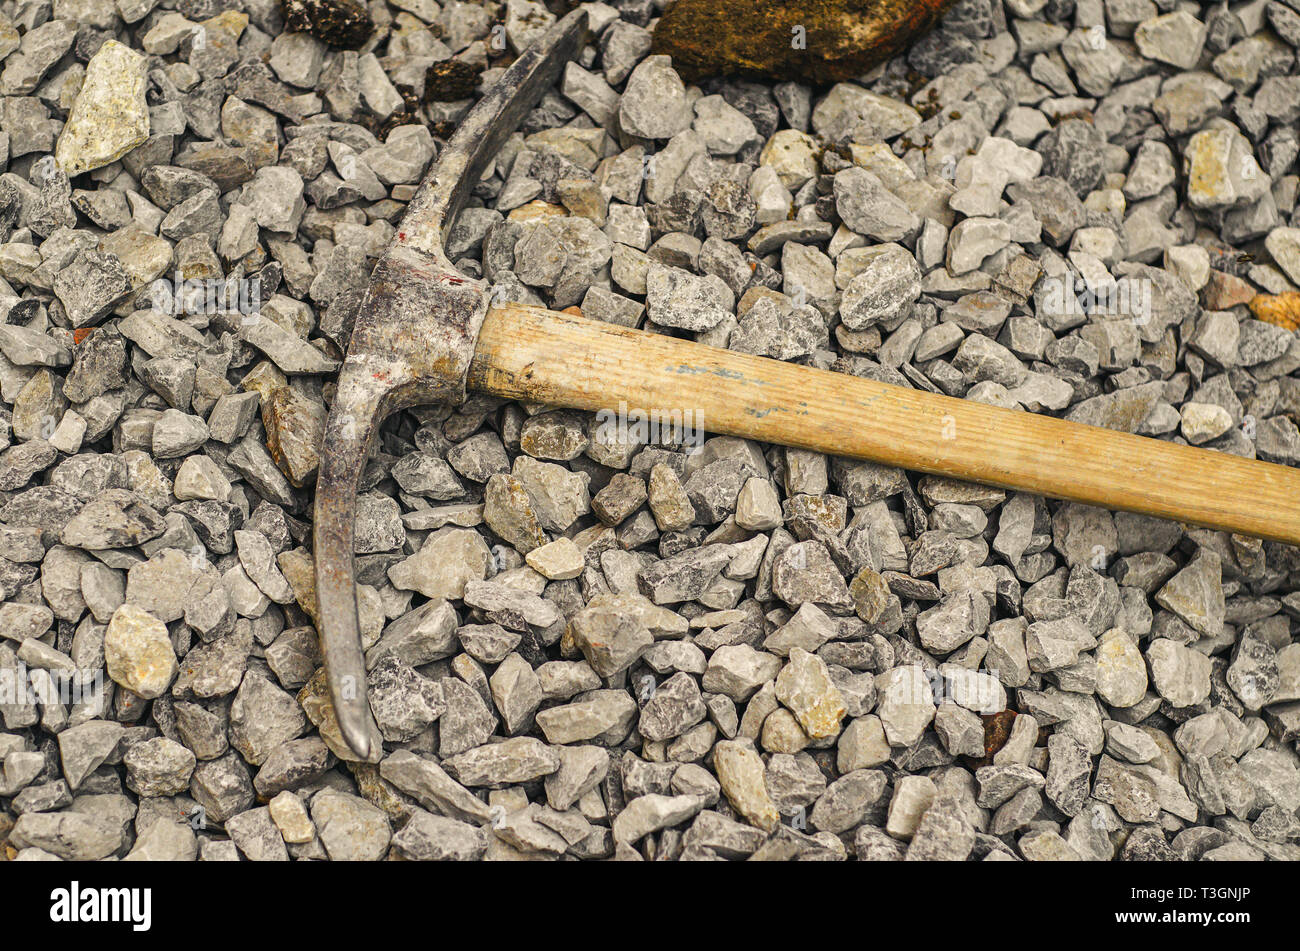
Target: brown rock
(997, 730)
(1225, 291)
(341, 23)
(839, 39)
(450, 80)
(295, 427)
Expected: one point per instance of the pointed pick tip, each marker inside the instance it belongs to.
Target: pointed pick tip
(357, 732)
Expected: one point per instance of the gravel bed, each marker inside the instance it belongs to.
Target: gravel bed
(597, 636)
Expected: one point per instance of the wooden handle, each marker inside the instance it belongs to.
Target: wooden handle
(563, 360)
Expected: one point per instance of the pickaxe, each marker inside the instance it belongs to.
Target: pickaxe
(428, 334)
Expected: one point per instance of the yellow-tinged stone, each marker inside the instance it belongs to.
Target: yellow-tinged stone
(375, 790)
(39, 407)
(741, 774)
(290, 817)
(583, 198)
(195, 261)
(145, 256)
(508, 511)
(783, 734)
(1281, 310)
(224, 29)
(580, 146)
(792, 155)
(110, 116)
(138, 654)
(1121, 670)
(263, 380)
(805, 687)
(297, 567)
(9, 38)
(879, 159)
(559, 560)
(17, 261)
(293, 315)
(1221, 170)
(536, 210)
(370, 614)
(232, 21)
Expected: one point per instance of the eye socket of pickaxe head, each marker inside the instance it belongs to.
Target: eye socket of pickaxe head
(412, 344)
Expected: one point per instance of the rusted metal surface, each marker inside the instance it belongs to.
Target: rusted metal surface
(412, 344)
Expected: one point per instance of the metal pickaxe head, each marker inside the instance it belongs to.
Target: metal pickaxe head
(412, 344)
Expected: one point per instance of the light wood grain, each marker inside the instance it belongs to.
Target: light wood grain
(564, 360)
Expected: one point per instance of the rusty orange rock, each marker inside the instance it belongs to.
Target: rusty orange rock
(1225, 291)
(816, 40)
(997, 730)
